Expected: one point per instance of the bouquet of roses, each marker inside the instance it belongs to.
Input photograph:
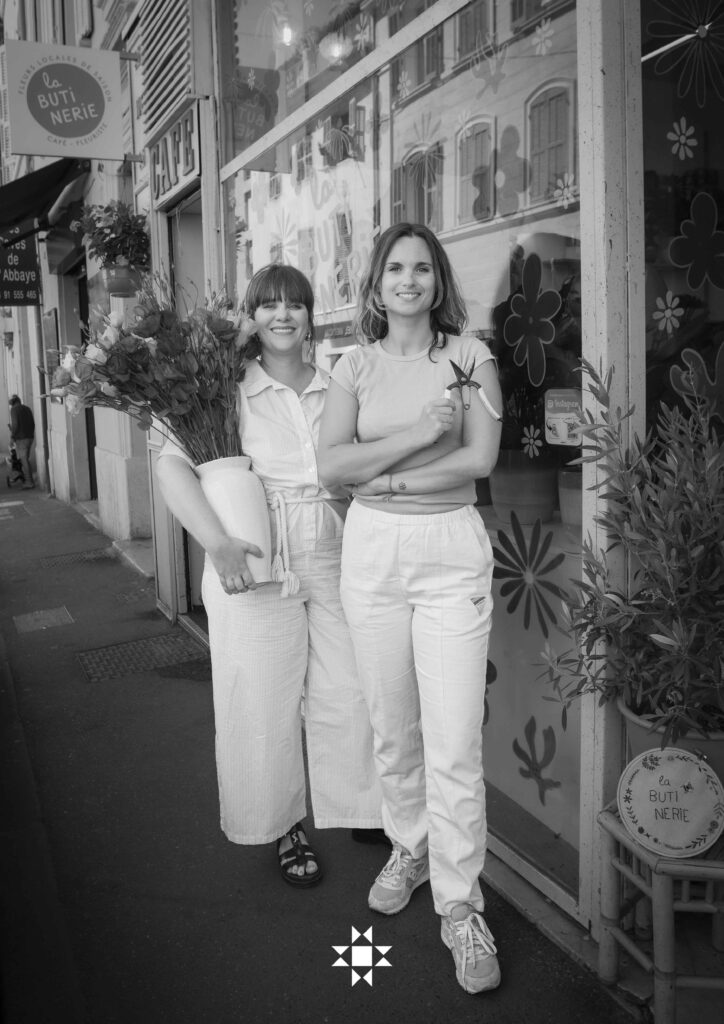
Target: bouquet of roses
(156, 363)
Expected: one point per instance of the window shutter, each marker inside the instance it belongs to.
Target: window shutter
(175, 45)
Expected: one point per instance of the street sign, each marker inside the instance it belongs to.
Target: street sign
(19, 269)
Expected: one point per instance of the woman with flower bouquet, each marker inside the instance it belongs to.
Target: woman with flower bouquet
(273, 643)
(414, 412)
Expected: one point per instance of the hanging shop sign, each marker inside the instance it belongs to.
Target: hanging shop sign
(175, 158)
(19, 269)
(63, 100)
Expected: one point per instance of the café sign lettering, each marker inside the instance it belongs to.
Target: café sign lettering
(63, 101)
(176, 158)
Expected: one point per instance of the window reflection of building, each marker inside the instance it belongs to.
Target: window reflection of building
(550, 141)
(475, 173)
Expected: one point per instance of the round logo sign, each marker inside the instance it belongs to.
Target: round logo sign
(671, 802)
(66, 100)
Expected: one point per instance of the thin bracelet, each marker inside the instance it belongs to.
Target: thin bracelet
(392, 489)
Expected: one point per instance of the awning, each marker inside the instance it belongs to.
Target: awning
(36, 201)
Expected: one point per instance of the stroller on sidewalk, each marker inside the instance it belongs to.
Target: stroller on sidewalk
(16, 475)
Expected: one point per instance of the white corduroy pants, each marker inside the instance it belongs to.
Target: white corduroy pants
(266, 653)
(416, 594)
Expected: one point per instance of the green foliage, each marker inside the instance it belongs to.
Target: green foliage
(116, 236)
(660, 645)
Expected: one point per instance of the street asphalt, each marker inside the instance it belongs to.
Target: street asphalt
(121, 900)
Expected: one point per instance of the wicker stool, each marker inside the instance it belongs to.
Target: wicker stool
(691, 885)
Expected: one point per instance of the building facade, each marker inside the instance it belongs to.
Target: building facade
(565, 154)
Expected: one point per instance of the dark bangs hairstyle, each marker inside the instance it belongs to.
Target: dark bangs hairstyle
(276, 282)
(448, 314)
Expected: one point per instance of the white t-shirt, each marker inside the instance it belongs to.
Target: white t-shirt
(391, 391)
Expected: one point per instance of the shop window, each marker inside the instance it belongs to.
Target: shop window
(550, 141)
(474, 27)
(275, 185)
(475, 176)
(420, 63)
(304, 158)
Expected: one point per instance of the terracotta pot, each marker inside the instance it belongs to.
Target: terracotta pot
(641, 738)
(238, 498)
(525, 486)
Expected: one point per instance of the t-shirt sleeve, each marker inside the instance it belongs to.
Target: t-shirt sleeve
(171, 448)
(344, 372)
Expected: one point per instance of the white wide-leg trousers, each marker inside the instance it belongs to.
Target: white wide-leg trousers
(416, 594)
(266, 652)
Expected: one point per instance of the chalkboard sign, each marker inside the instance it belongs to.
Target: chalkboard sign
(671, 802)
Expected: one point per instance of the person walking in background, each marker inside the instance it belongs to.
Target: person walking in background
(22, 433)
(412, 418)
(267, 649)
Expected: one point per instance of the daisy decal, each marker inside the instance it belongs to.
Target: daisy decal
(532, 441)
(522, 567)
(691, 46)
(529, 329)
(565, 191)
(543, 37)
(669, 313)
(404, 85)
(700, 246)
(683, 138)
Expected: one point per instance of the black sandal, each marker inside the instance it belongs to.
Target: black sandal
(299, 854)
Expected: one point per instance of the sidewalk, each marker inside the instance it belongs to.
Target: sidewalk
(121, 901)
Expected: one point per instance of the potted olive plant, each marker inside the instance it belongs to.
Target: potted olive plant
(117, 237)
(655, 646)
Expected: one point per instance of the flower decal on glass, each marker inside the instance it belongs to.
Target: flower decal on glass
(404, 85)
(565, 191)
(695, 380)
(543, 37)
(529, 327)
(534, 765)
(488, 64)
(692, 41)
(532, 441)
(700, 246)
(285, 238)
(669, 313)
(683, 139)
(522, 566)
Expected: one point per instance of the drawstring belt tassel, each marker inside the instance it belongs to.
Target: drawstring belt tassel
(281, 573)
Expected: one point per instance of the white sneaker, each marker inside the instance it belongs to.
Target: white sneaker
(473, 949)
(397, 881)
